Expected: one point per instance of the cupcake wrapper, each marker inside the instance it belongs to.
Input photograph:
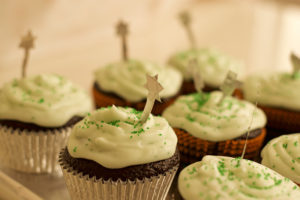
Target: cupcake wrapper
(104, 100)
(89, 188)
(192, 149)
(32, 151)
(282, 120)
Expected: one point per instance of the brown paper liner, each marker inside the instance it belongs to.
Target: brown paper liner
(188, 87)
(89, 188)
(32, 151)
(282, 120)
(104, 100)
(192, 149)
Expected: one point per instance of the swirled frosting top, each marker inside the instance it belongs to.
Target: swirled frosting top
(282, 154)
(226, 178)
(277, 90)
(212, 64)
(127, 79)
(114, 138)
(47, 100)
(201, 115)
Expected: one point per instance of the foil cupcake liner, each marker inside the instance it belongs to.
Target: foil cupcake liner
(90, 188)
(192, 149)
(32, 151)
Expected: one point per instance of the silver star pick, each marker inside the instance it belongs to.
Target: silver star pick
(197, 78)
(122, 31)
(154, 88)
(27, 41)
(230, 84)
(295, 62)
(122, 28)
(26, 44)
(186, 20)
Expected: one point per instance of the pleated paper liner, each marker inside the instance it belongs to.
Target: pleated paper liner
(103, 99)
(32, 151)
(82, 186)
(192, 149)
(282, 120)
(188, 87)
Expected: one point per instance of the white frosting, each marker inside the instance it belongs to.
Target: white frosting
(282, 154)
(114, 138)
(46, 100)
(200, 115)
(277, 90)
(212, 64)
(127, 79)
(226, 178)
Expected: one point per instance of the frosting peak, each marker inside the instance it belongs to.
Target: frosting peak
(47, 100)
(127, 79)
(202, 116)
(114, 138)
(282, 154)
(226, 178)
(277, 90)
(212, 64)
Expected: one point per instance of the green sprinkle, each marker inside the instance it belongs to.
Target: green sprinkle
(75, 149)
(114, 123)
(278, 182)
(131, 137)
(190, 118)
(295, 143)
(293, 168)
(160, 134)
(295, 187)
(127, 122)
(41, 100)
(285, 146)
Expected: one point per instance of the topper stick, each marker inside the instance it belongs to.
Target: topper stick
(198, 80)
(296, 63)
(153, 87)
(122, 31)
(185, 19)
(229, 85)
(26, 44)
(248, 131)
(249, 127)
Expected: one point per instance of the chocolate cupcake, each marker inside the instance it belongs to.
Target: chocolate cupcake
(282, 154)
(206, 126)
(218, 177)
(111, 155)
(122, 84)
(212, 64)
(279, 98)
(36, 116)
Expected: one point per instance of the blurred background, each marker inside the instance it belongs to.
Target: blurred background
(74, 37)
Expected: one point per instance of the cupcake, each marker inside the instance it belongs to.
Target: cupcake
(122, 84)
(212, 64)
(282, 154)
(279, 98)
(206, 126)
(36, 116)
(111, 155)
(218, 177)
